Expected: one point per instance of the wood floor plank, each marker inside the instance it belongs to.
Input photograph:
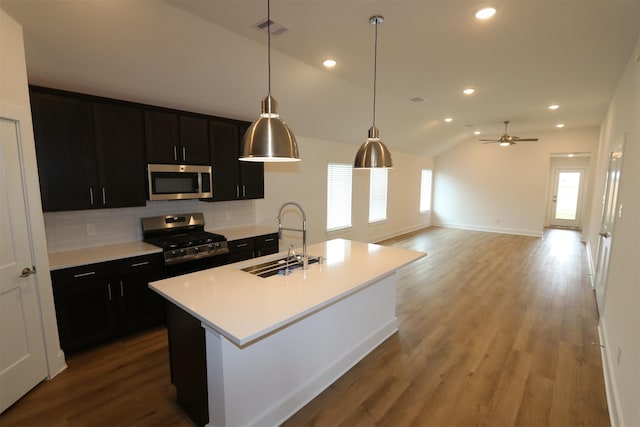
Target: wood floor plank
(494, 330)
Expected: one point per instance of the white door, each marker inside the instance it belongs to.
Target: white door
(610, 211)
(22, 355)
(566, 200)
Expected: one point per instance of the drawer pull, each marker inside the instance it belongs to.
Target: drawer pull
(90, 273)
(121, 289)
(269, 240)
(139, 264)
(242, 245)
(109, 287)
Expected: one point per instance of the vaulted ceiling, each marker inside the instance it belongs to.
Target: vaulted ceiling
(208, 56)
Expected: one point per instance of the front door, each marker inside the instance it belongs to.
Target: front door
(567, 198)
(609, 213)
(22, 355)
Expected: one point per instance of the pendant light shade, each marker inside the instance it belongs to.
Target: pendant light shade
(373, 153)
(269, 139)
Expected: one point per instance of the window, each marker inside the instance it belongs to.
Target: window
(378, 195)
(338, 196)
(425, 190)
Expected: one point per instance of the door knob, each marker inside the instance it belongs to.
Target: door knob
(605, 234)
(26, 272)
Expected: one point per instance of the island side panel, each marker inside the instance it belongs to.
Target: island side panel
(187, 360)
(265, 382)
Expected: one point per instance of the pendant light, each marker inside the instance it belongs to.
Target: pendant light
(373, 153)
(269, 139)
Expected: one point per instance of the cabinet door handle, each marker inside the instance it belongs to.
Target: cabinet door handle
(91, 195)
(175, 152)
(244, 191)
(242, 245)
(104, 197)
(109, 288)
(237, 192)
(121, 289)
(139, 264)
(90, 273)
(184, 153)
(269, 240)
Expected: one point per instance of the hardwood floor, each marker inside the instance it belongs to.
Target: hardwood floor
(494, 330)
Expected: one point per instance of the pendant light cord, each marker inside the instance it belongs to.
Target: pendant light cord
(269, 44)
(375, 72)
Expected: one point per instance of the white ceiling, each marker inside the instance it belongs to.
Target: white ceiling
(207, 56)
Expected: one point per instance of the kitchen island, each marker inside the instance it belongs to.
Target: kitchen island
(272, 344)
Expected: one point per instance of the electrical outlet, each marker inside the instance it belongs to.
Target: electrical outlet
(91, 229)
(620, 211)
(619, 355)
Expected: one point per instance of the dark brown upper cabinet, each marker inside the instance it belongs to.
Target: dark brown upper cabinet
(232, 178)
(173, 138)
(90, 153)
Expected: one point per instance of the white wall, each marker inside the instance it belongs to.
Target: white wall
(502, 189)
(305, 182)
(620, 318)
(14, 104)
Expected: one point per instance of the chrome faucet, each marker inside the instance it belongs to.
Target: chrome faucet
(303, 230)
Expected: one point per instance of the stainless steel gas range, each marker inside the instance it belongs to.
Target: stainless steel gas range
(186, 245)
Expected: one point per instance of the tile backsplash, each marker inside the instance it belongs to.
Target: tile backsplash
(83, 229)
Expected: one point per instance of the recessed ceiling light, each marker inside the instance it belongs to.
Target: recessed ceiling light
(485, 13)
(560, 125)
(476, 132)
(416, 99)
(553, 107)
(448, 119)
(329, 63)
(469, 91)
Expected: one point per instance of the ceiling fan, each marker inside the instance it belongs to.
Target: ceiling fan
(506, 140)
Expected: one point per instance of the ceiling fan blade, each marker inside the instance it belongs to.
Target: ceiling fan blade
(515, 138)
(489, 140)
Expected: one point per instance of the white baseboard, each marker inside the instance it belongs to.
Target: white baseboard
(502, 230)
(613, 401)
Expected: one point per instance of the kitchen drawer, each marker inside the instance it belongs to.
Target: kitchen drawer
(83, 274)
(152, 265)
(242, 245)
(267, 244)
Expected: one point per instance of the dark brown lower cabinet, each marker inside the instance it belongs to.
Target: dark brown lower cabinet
(188, 363)
(98, 302)
(253, 247)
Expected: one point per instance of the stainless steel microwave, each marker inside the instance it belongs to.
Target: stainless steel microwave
(178, 182)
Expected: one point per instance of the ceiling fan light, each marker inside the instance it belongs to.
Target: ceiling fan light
(505, 144)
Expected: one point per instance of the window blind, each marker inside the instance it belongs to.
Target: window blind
(378, 195)
(425, 190)
(339, 179)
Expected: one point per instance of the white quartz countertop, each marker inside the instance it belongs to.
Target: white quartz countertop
(244, 307)
(245, 231)
(84, 256)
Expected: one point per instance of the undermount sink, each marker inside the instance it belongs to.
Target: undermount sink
(278, 266)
